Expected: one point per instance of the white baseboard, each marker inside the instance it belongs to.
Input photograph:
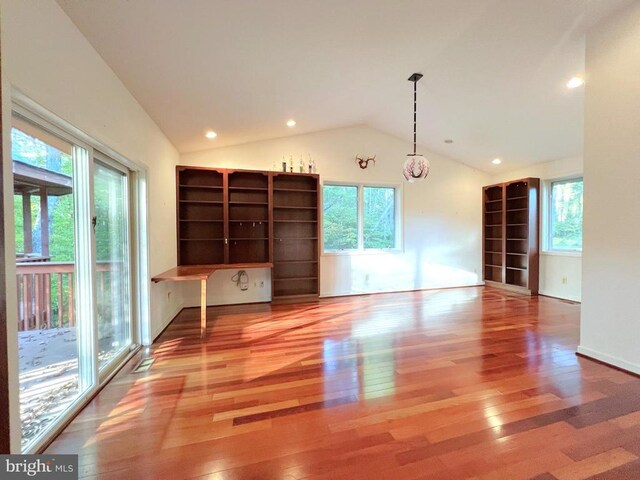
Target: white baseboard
(614, 361)
(561, 297)
(353, 293)
(167, 320)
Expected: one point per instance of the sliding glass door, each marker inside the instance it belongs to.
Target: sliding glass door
(73, 266)
(113, 293)
(45, 235)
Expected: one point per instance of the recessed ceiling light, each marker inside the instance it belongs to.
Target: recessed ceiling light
(291, 123)
(448, 140)
(496, 161)
(575, 82)
(211, 134)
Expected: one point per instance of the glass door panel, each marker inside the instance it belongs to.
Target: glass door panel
(112, 276)
(73, 267)
(44, 168)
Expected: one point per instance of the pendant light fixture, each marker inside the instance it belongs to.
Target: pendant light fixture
(416, 167)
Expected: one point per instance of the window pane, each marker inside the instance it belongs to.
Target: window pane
(45, 266)
(340, 221)
(112, 256)
(566, 215)
(379, 217)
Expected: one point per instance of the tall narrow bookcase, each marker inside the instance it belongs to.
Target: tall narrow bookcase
(252, 217)
(511, 234)
(494, 233)
(295, 236)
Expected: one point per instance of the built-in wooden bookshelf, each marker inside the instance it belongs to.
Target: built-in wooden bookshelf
(510, 234)
(493, 233)
(252, 217)
(295, 236)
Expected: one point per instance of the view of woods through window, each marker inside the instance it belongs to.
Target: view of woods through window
(112, 258)
(379, 217)
(45, 262)
(340, 219)
(565, 225)
(51, 375)
(341, 207)
(29, 150)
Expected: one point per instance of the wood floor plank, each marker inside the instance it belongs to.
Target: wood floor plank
(444, 384)
(594, 465)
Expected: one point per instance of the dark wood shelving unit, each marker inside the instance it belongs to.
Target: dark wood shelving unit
(296, 267)
(510, 234)
(252, 217)
(492, 233)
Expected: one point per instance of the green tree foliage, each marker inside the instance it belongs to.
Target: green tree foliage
(340, 220)
(110, 200)
(19, 222)
(379, 217)
(111, 248)
(566, 215)
(30, 150)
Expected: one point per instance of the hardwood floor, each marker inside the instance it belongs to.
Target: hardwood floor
(444, 384)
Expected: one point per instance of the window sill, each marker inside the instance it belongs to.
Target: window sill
(562, 253)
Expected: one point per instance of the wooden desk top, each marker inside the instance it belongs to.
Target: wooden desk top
(203, 272)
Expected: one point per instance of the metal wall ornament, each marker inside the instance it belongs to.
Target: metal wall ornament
(416, 167)
(364, 162)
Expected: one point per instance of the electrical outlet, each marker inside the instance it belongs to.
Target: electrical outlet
(564, 280)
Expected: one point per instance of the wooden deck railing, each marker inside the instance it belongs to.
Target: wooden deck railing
(38, 283)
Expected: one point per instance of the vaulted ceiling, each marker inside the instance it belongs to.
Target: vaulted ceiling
(494, 70)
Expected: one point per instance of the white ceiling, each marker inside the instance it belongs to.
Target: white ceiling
(494, 70)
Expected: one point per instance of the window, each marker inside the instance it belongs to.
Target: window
(565, 215)
(359, 217)
(340, 219)
(379, 217)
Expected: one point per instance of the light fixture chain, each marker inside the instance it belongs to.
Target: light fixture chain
(415, 108)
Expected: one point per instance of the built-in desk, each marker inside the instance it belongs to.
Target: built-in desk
(202, 273)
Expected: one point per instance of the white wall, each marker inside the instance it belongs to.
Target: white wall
(442, 216)
(48, 59)
(610, 323)
(554, 266)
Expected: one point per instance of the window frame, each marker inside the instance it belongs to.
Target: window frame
(398, 224)
(134, 337)
(547, 217)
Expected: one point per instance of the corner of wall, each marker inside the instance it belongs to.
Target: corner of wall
(166, 320)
